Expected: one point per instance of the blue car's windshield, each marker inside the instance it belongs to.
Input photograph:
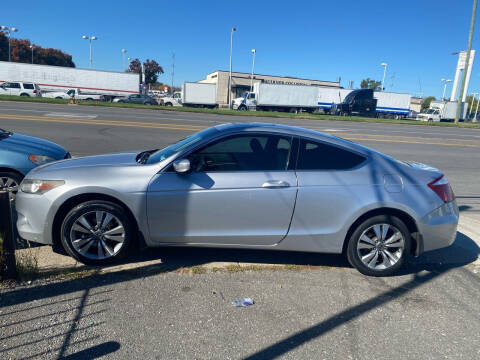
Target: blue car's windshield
(162, 154)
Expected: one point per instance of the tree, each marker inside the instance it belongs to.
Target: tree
(150, 67)
(21, 52)
(371, 84)
(426, 102)
(135, 66)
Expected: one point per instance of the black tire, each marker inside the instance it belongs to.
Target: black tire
(87, 208)
(58, 97)
(242, 108)
(353, 253)
(168, 104)
(24, 94)
(89, 99)
(5, 175)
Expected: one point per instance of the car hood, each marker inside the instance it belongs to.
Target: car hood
(108, 160)
(34, 145)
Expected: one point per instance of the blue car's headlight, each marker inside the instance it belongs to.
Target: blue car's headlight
(40, 159)
(32, 186)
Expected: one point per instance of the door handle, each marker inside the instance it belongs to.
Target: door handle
(275, 184)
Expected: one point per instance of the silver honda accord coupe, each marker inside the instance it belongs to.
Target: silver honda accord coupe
(251, 186)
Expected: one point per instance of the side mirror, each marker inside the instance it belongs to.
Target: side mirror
(181, 166)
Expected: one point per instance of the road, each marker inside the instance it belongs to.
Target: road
(86, 130)
(324, 311)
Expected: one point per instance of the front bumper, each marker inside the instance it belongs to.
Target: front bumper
(33, 222)
(439, 228)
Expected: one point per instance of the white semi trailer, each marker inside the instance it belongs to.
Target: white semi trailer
(389, 104)
(279, 97)
(110, 84)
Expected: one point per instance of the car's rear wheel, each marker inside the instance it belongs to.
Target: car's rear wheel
(10, 181)
(24, 94)
(97, 232)
(379, 246)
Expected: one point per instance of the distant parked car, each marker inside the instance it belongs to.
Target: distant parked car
(75, 93)
(20, 88)
(251, 186)
(138, 99)
(21, 153)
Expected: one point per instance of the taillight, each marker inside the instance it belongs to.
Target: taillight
(34, 91)
(442, 188)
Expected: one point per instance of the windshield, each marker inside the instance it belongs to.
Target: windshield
(430, 111)
(162, 154)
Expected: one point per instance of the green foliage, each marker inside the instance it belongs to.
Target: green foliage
(371, 84)
(21, 52)
(151, 68)
(426, 102)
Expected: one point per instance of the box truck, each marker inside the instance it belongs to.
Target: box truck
(442, 111)
(194, 95)
(279, 97)
(110, 84)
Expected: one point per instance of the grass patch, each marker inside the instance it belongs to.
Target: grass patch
(268, 114)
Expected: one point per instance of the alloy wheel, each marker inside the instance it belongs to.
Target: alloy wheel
(9, 184)
(97, 235)
(380, 246)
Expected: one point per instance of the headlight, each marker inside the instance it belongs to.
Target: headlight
(40, 159)
(31, 186)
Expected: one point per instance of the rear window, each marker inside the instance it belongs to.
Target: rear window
(319, 156)
(28, 86)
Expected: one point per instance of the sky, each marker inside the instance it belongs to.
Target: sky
(321, 40)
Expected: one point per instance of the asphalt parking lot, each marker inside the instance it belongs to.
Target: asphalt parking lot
(318, 307)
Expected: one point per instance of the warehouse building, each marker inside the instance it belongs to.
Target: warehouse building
(241, 82)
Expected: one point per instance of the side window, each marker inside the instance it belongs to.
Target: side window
(28, 86)
(243, 153)
(14, 86)
(252, 96)
(318, 156)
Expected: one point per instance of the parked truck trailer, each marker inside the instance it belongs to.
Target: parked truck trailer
(279, 97)
(110, 84)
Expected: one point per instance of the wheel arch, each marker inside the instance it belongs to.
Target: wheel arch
(81, 198)
(417, 245)
(7, 169)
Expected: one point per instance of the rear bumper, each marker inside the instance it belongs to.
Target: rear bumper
(439, 228)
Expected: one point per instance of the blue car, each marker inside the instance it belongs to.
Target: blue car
(21, 153)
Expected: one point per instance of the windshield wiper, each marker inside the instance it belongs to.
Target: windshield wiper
(4, 134)
(142, 158)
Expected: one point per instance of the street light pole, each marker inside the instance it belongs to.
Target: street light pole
(384, 64)
(123, 59)
(469, 48)
(253, 69)
(230, 74)
(9, 33)
(90, 38)
(445, 82)
(31, 47)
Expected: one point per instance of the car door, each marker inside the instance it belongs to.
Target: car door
(15, 88)
(239, 192)
(332, 183)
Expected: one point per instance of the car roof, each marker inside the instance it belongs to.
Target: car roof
(292, 130)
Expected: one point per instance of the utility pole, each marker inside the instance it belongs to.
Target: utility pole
(469, 48)
(230, 74)
(476, 110)
(173, 69)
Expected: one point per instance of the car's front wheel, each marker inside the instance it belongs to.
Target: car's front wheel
(379, 246)
(10, 181)
(97, 232)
